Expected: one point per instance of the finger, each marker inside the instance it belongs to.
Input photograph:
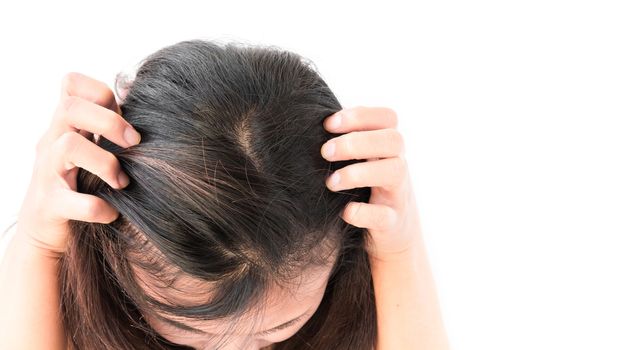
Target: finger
(387, 173)
(87, 88)
(361, 118)
(83, 87)
(82, 207)
(75, 113)
(370, 216)
(73, 150)
(380, 143)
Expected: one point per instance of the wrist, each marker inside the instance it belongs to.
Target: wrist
(27, 246)
(415, 251)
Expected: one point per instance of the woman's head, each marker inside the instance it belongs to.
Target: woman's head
(227, 228)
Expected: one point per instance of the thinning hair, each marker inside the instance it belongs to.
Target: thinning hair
(227, 189)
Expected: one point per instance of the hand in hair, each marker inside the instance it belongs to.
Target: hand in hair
(86, 107)
(408, 315)
(391, 215)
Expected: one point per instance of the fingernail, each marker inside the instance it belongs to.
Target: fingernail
(333, 181)
(334, 122)
(123, 180)
(328, 150)
(131, 136)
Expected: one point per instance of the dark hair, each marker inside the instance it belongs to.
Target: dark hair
(228, 187)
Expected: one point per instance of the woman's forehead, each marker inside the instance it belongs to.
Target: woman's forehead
(167, 284)
(187, 290)
(160, 278)
(281, 303)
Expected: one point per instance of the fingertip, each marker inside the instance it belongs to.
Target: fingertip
(115, 217)
(333, 122)
(131, 135)
(123, 180)
(111, 215)
(101, 211)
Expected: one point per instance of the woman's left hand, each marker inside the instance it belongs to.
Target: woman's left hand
(391, 215)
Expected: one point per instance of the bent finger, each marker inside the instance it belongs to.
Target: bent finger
(361, 118)
(76, 113)
(82, 207)
(87, 88)
(73, 150)
(381, 143)
(387, 173)
(371, 216)
(82, 87)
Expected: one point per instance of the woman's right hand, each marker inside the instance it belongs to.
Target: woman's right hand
(86, 107)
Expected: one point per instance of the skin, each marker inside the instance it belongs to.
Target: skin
(282, 306)
(407, 305)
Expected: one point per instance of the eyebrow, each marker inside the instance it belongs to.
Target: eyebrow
(199, 331)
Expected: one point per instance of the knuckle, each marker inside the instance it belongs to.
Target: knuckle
(350, 174)
(392, 116)
(383, 218)
(403, 165)
(387, 218)
(351, 210)
(68, 144)
(379, 220)
(344, 144)
(395, 140)
(357, 110)
(399, 165)
(93, 208)
(39, 148)
(69, 103)
(108, 124)
(105, 95)
(108, 166)
(69, 79)
(68, 140)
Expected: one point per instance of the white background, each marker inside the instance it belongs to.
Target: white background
(521, 121)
